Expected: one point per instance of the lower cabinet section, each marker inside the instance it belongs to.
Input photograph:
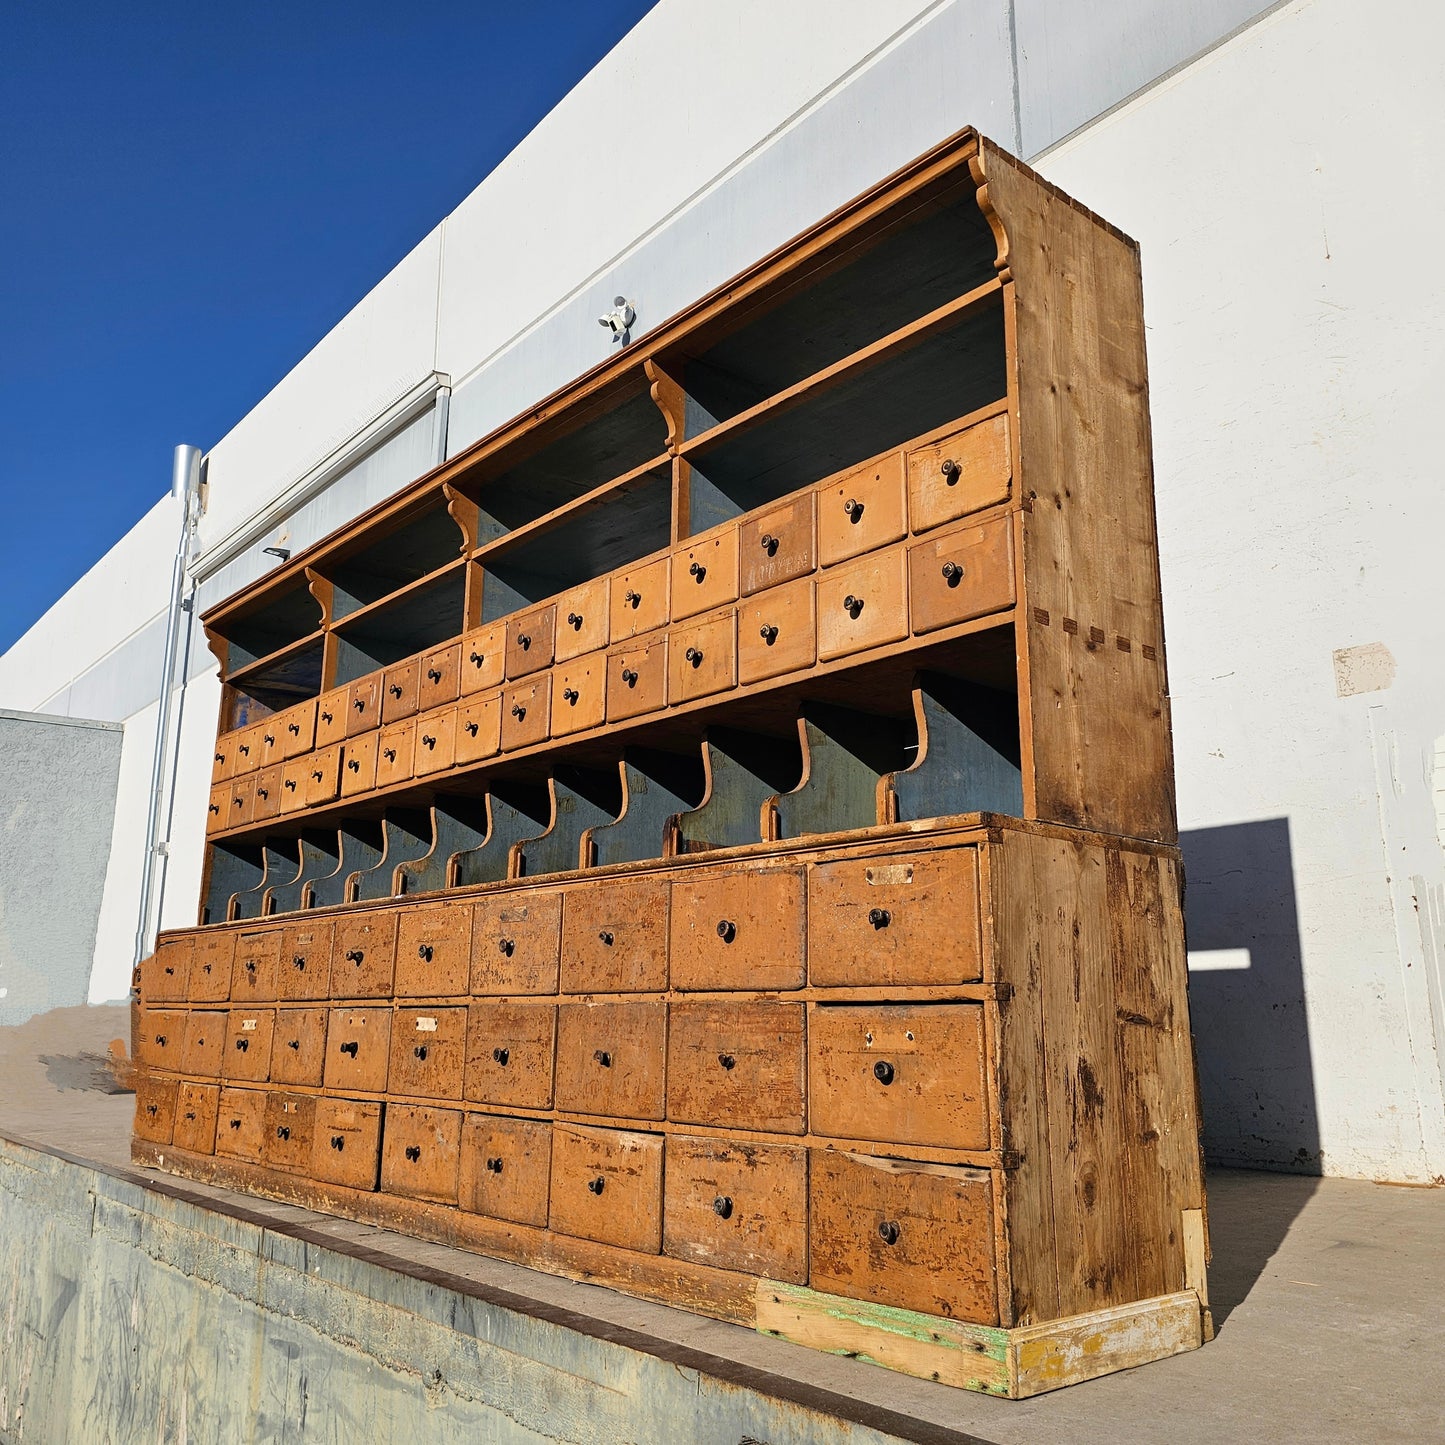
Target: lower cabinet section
(419, 1152)
(506, 1168)
(607, 1186)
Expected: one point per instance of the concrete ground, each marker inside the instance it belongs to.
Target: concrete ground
(1327, 1295)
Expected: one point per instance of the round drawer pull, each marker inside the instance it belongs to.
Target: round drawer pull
(266, 792)
(472, 728)
(768, 543)
(413, 1152)
(242, 1045)
(389, 754)
(727, 930)
(359, 704)
(888, 1231)
(235, 1123)
(477, 658)
(501, 1056)
(420, 1052)
(434, 673)
(424, 952)
(338, 1141)
(629, 676)
(574, 621)
(294, 728)
(494, 1165)
(282, 1132)
(879, 917)
(852, 606)
(353, 765)
(597, 1185)
(951, 471)
(250, 965)
(694, 656)
(428, 740)
(294, 1045)
(350, 1048)
(506, 946)
(883, 1071)
(215, 807)
(153, 1109)
(161, 1040)
(632, 598)
(722, 1206)
(697, 570)
(191, 1115)
(518, 711)
(603, 1058)
(244, 748)
(524, 641)
(726, 1060)
(291, 783)
(205, 968)
(317, 774)
(327, 717)
(355, 955)
(854, 509)
(571, 694)
(269, 741)
(952, 573)
(220, 757)
(395, 689)
(606, 936)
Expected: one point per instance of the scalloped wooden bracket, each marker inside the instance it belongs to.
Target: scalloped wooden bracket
(979, 172)
(465, 513)
(220, 648)
(669, 398)
(322, 590)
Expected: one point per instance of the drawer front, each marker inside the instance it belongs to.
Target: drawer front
(323, 776)
(510, 1048)
(900, 1073)
(579, 694)
(737, 1206)
(243, 801)
(241, 1123)
(736, 1064)
(267, 794)
(436, 742)
(917, 1236)
(614, 937)
(160, 1036)
(610, 1059)
(363, 955)
(961, 574)
(399, 692)
(863, 605)
(346, 1143)
(441, 676)
(246, 1054)
(165, 976)
(906, 919)
(428, 1052)
(638, 601)
(705, 573)
(516, 942)
(358, 764)
(479, 728)
(304, 969)
(703, 658)
(363, 704)
(582, 620)
(394, 749)
(778, 632)
(959, 473)
(525, 714)
(298, 729)
(155, 1108)
(204, 1051)
(218, 808)
(197, 1106)
(223, 760)
(607, 1186)
(287, 1129)
(358, 1050)
(738, 929)
(778, 545)
(294, 778)
(434, 950)
(247, 749)
(273, 740)
(506, 1168)
(298, 1051)
(483, 658)
(419, 1151)
(531, 640)
(253, 976)
(864, 510)
(212, 954)
(637, 679)
(332, 710)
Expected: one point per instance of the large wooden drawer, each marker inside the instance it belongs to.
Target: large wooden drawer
(240, 1123)
(702, 657)
(165, 975)
(197, 1106)
(607, 1186)
(304, 968)
(531, 640)
(288, 1126)
(434, 950)
(863, 605)
(246, 1053)
(778, 632)
(959, 473)
(739, 1065)
(298, 1050)
(778, 545)
(506, 1168)
(363, 954)
(358, 1050)
(742, 928)
(428, 1052)
(582, 623)
(525, 713)
(155, 1108)
(614, 937)
(483, 658)
(420, 1147)
(160, 1038)
(203, 1052)
(637, 678)
(213, 952)
(579, 694)
(610, 1059)
(479, 727)
(258, 955)
(638, 599)
(862, 510)
(517, 942)
(435, 748)
(346, 1144)
(961, 574)
(510, 1048)
(705, 572)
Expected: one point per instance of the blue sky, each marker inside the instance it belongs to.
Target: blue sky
(191, 195)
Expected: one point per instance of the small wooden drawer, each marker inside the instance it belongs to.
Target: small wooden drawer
(582, 620)
(506, 1168)
(909, 918)
(295, 775)
(435, 749)
(247, 750)
(204, 1050)
(959, 473)
(961, 574)
(246, 1054)
(323, 776)
(737, 1206)
(258, 955)
(579, 694)
(428, 1052)
(637, 678)
(607, 1186)
(197, 1106)
(637, 599)
(778, 545)
(736, 1064)
(363, 954)
(394, 748)
(165, 977)
(917, 1236)
(705, 573)
(346, 1143)
(155, 1108)
(863, 605)
(614, 937)
(778, 632)
(479, 727)
(272, 740)
(298, 729)
(160, 1038)
(288, 1127)
(399, 690)
(298, 1049)
(304, 967)
(419, 1152)
(363, 704)
(433, 950)
(211, 957)
(267, 794)
(358, 764)
(531, 640)
(483, 658)
(861, 511)
(242, 802)
(610, 1059)
(223, 761)
(509, 1054)
(441, 676)
(517, 942)
(703, 658)
(358, 1050)
(742, 928)
(525, 710)
(240, 1123)
(218, 808)
(332, 709)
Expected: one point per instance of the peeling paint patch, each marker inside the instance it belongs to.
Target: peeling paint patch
(1367, 668)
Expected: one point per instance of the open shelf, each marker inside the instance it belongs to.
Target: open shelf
(417, 547)
(276, 622)
(421, 617)
(285, 676)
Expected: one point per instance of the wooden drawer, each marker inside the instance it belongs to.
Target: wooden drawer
(304, 970)
(607, 1186)
(531, 640)
(705, 573)
(204, 1049)
(218, 808)
(247, 750)
(160, 1038)
(510, 1048)
(246, 1053)
(363, 704)
(742, 928)
(298, 1050)
(961, 574)
(479, 728)
(240, 1123)
(294, 777)
(517, 942)
(582, 620)
(506, 1168)
(614, 937)
(197, 1106)
(298, 729)
(212, 953)
(778, 545)
(434, 950)
(861, 511)
(155, 1108)
(223, 760)
(637, 678)
(525, 711)
(610, 1059)
(737, 1206)
(436, 742)
(703, 658)
(288, 1127)
(917, 1236)
(323, 776)
(428, 1052)
(267, 794)
(637, 599)
(272, 740)
(419, 1151)
(736, 1064)
(483, 658)
(358, 1050)
(332, 710)
(243, 801)
(579, 694)
(399, 690)
(441, 676)
(778, 632)
(165, 975)
(253, 976)
(959, 473)
(863, 605)
(363, 954)
(346, 1143)
(912, 918)
(394, 748)
(358, 764)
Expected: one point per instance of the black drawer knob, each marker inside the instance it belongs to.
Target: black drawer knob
(355, 955)
(290, 783)
(299, 963)
(220, 757)
(727, 930)
(574, 620)
(951, 471)
(854, 508)
(244, 748)
(501, 1056)
(350, 1048)
(161, 1040)
(205, 968)
(494, 1165)
(697, 570)
(428, 740)
(606, 937)
(769, 634)
(266, 792)
(294, 728)
(250, 965)
(524, 641)
(879, 917)
(518, 711)
(597, 1185)
(191, 1115)
(434, 673)
(632, 598)
(883, 1071)
(888, 1231)
(317, 774)
(506, 946)
(152, 1109)
(395, 689)
(359, 705)
(420, 1052)
(477, 658)
(269, 741)
(242, 1045)
(603, 1058)
(294, 1045)
(338, 1141)
(726, 1060)
(768, 543)
(722, 1206)
(852, 606)
(694, 656)
(424, 952)
(413, 1152)
(215, 808)
(571, 694)
(472, 728)
(170, 971)
(629, 676)
(389, 754)
(326, 717)
(235, 1123)
(952, 573)
(282, 1132)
